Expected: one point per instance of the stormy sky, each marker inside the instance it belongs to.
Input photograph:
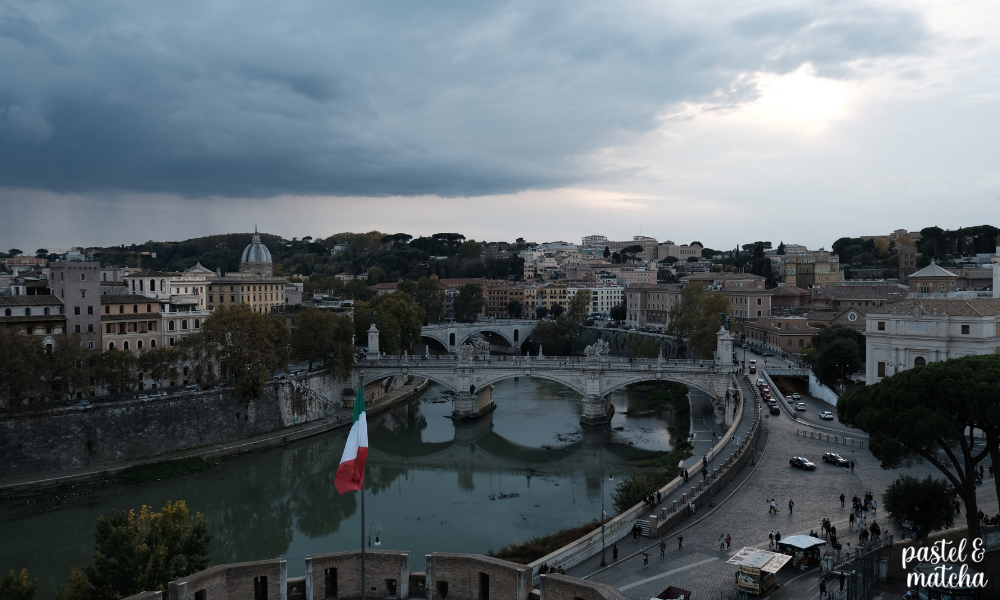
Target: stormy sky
(726, 122)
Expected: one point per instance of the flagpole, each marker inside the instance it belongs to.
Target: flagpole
(364, 588)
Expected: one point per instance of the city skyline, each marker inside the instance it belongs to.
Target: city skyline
(723, 123)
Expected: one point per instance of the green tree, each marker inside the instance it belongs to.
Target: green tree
(15, 252)
(376, 275)
(641, 347)
(248, 346)
(69, 365)
(579, 307)
(408, 287)
(397, 317)
(932, 413)
(838, 351)
(199, 351)
(17, 586)
(697, 317)
(468, 303)
(470, 249)
(607, 252)
(357, 289)
(326, 337)
(431, 297)
(781, 249)
(541, 312)
(160, 363)
(514, 309)
(619, 312)
(927, 505)
(141, 551)
(631, 253)
(21, 367)
(117, 371)
(665, 276)
(557, 309)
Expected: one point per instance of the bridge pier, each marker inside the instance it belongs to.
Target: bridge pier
(597, 410)
(470, 406)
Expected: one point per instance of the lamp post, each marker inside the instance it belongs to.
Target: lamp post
(378, 532)
(610, 470)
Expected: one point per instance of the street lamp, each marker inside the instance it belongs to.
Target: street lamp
(378, 532)
(610, 470)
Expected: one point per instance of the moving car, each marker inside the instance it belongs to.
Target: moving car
(836, 459)
(800, 406)
(775, 410)
(826, 415)
(796, 396)
(802, 463)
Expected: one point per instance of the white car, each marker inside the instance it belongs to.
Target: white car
(796, 396)
(800, 406)
(826, 415)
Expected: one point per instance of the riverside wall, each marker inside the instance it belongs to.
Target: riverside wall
(106, 433)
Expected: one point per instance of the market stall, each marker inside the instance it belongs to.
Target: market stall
(756, 569)
(806, 551)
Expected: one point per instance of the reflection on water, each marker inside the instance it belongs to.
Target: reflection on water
(527, 469)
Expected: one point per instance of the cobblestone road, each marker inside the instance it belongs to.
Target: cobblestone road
(700, 565)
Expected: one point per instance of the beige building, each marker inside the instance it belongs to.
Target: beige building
(40, 316)
(130, 322)
(813, 268)
(682, 252)
(650, 303)
(786, 334)
(255, 283)
(603, 296)
(747, 296)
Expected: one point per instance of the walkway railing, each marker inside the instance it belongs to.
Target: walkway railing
(828, 437)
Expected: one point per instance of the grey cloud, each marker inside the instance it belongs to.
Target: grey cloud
(379, 98)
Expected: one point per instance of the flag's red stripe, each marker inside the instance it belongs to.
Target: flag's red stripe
(350, 474)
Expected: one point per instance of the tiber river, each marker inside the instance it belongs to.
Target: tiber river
(528, 469)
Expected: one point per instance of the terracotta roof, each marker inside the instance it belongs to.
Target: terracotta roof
(126, 299)
(790, 290)
(713, 276)
(977, 307)
(41, 300)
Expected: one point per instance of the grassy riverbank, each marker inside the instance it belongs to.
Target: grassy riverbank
(166, 469)
(538, 547)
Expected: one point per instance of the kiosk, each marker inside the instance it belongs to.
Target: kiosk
(756, 569)
(805, 550)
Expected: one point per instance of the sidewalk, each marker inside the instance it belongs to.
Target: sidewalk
(36, 483)
(628, 548)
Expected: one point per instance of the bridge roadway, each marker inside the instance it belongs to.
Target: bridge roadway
(453, 335)
(594, 378)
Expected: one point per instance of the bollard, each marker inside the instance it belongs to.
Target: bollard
(673, 505)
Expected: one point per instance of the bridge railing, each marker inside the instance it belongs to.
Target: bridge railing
(612, 363)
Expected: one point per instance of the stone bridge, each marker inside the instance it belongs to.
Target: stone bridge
(453, 335)
(471, 377)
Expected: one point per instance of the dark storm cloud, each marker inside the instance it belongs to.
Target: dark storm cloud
(253, 98)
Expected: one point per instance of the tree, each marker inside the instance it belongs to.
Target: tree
(15, 252)
(248, 345)
(117, 371)
(21, 367)
(670, 260)
(41, 253)
(141, 551)
(17, 587)
(630, 253)
(397, 317)
(376, 275)
(931, 412)
(69, 363)
(470, 249)
(199, 351)
(327, 337)
(927, 505)
(541, 312)
(882, 245)
(514, 309)
(838, 351)
(865, 258)
(607, 252)
(616, 258)
(160, 363)
(431, 297)
(619, 312)
(579, 307)
(469, 303)
(697, 317)
(781, 249)
(557, 309)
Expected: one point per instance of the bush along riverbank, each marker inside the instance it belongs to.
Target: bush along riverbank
(660, 468)
(538, 547)
(166, 469)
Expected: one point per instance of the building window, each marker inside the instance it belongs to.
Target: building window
(152, 285)
(90, 328)
(90, 310)
(149, 308)
(121, 309)
(140, 285)
(171, 340)
(6, 312)
(125, 345)
(758, 313)
(170, 325)
(919, 361)
(76, 310)
(76, 328)
(138, 345)
(881, 369)
(107, 328)
(107, 310)
(135, 308)
(197, 323)
(163, 285)
(152, 343)
(759, 301)
(90, 345)
(83, 293)
(184, 324)
(111, 345)
(27, 312)
(965, 330)
(83, 276)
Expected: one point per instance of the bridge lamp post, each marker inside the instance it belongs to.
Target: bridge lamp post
(610, 470)
(378, 532)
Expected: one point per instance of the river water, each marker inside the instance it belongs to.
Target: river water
(528, 469)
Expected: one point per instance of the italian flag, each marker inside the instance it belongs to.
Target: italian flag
(351, 473)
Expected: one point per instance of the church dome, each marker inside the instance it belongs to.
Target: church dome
(256, 252)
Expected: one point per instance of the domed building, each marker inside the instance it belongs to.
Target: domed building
(256, 258)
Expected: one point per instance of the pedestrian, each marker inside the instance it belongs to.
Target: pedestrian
(841, 582)
(842, 500)
(663, 549)
(852, 466)
(770, 538)
(777, 537)
(822, 588)
(850, 521)
(734, 440)
(680, 542)
(791, 505)
(722, 541)
(848, 550)
(729, 541)
(774, 507)
(875, 506)
(704, 472)
(614, 553)
(645, 558)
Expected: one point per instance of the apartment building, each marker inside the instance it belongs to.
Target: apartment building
(786, 334)
(77, 284)
(650, 303)
(603, 296)
(130, 322)
(40, 316)
(812, 268)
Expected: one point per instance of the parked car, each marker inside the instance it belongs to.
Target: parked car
(143, 396)
(796, 396)
(836, 459)
(802, 462)
(800, 406)
(158, 394)
(826, 415)
(191, 388)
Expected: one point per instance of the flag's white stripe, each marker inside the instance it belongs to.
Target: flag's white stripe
(357, 438)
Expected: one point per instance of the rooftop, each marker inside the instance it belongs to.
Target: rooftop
(976, 307)
(126, 299)
(43, 300)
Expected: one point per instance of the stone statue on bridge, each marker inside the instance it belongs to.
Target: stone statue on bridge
(726, 321)
(478, 347)
(597, 350)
